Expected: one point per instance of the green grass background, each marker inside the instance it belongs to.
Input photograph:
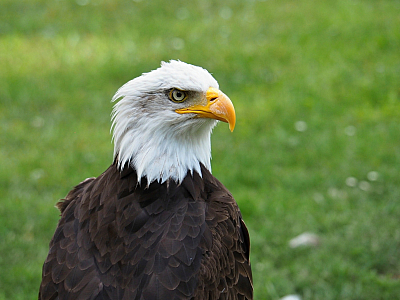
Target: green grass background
(329, 68)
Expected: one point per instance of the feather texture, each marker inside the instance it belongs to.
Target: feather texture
(119, 240)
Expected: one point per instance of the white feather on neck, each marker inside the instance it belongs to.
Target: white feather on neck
(160, 154)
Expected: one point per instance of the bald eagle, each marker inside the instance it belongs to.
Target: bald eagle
(156, 224)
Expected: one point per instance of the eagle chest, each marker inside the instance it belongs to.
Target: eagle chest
(159, 239)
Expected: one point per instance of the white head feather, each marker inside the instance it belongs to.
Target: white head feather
(159, 143)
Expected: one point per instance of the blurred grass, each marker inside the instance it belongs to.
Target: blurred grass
(316, 86)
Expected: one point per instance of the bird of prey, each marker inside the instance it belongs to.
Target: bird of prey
(156, 224)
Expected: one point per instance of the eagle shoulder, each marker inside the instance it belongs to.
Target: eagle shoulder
(74, 193)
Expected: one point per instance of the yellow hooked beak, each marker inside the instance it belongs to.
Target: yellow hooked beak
(218, 107)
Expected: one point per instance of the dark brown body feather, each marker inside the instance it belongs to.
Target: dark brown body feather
(117, 239)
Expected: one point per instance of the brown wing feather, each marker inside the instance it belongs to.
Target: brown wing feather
(117, 239)
(225, 271)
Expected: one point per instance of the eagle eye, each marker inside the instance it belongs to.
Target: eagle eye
(177, 95)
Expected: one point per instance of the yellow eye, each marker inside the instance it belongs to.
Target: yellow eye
(177, 95)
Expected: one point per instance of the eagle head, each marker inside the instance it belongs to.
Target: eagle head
(163, 120)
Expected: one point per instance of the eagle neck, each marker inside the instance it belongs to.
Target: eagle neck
(161, 155)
